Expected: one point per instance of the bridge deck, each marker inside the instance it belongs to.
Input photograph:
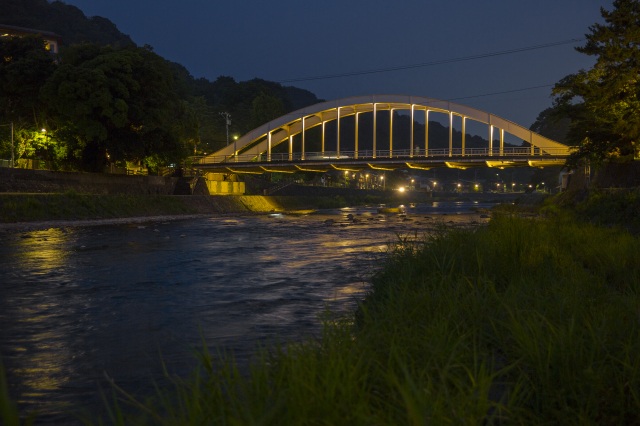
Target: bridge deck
(381, 160)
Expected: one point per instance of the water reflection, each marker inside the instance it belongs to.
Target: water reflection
(38, 308)
(128, 300)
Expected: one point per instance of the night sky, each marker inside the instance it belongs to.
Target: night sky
(407, 47)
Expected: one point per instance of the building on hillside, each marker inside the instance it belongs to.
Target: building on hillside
(52, 40)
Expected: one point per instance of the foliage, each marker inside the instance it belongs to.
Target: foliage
(265, 108)
(120, 103)
(551, 124)
(24, 67)
(106, 100)
(612, 208)
(65, 20)
(603, 103)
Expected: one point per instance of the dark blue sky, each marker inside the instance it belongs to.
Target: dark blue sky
(281, 40)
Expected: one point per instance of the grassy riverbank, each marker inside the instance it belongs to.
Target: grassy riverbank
(525, 321)
(72, 206)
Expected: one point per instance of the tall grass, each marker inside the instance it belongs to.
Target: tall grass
(521, 322)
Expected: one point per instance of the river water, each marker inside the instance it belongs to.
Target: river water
(79, 304)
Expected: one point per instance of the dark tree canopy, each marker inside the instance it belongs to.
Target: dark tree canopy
(25, 65)
(603, 103)
(551, 124)
(105, 100)
(65, 20)
(120, 103)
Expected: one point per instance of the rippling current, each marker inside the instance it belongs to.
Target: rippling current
(80, 304)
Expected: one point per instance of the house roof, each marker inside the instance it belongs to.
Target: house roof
(14, 30)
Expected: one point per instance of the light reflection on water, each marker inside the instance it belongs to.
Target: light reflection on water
(79, 303)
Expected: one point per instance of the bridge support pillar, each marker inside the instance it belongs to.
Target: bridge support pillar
(464, 131)
(390, 132)
(450, 134)
(490, 139)
(411, 132)
(322, 139)
(533, 148)
(426, 132)
(338, 133)
(375, 128)
(303, 141)
(356, 135)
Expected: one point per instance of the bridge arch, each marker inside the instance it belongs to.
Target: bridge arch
(257, 145)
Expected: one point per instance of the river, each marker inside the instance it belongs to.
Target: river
(81, 304)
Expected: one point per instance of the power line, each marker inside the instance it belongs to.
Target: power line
(433, 63)
(503, 92)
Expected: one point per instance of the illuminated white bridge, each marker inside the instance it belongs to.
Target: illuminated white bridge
(261, 149)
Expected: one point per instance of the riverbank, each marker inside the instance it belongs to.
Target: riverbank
(520, 322)
(19, 210)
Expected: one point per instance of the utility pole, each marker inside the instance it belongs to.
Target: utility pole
(227, 118)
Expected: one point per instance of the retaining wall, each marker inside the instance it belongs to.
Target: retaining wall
(43, 181)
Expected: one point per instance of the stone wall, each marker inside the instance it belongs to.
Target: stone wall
(43, 181)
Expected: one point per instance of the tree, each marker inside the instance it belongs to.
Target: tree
(265, 107)
(551, 124)
(25, 65)
(603, 103)
(118, 105)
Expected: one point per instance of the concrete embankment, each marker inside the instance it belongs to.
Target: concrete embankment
(30, 196)
(16, 207)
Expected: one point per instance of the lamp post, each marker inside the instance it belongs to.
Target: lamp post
(235, 140)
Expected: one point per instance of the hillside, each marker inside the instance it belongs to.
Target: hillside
(67, 21)
(250, 103)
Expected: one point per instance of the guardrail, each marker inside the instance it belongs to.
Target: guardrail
(328, 156)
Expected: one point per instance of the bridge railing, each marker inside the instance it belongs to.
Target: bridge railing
(417, 153)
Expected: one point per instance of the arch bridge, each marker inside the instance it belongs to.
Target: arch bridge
(281, 145)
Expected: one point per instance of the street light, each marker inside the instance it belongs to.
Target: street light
(235, 140)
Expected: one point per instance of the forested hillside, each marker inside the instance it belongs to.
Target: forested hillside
(67, 21)
(105, 100)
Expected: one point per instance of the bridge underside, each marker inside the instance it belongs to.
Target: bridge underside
(292, 166)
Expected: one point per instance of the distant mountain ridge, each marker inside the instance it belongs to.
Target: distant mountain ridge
(67, 21)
